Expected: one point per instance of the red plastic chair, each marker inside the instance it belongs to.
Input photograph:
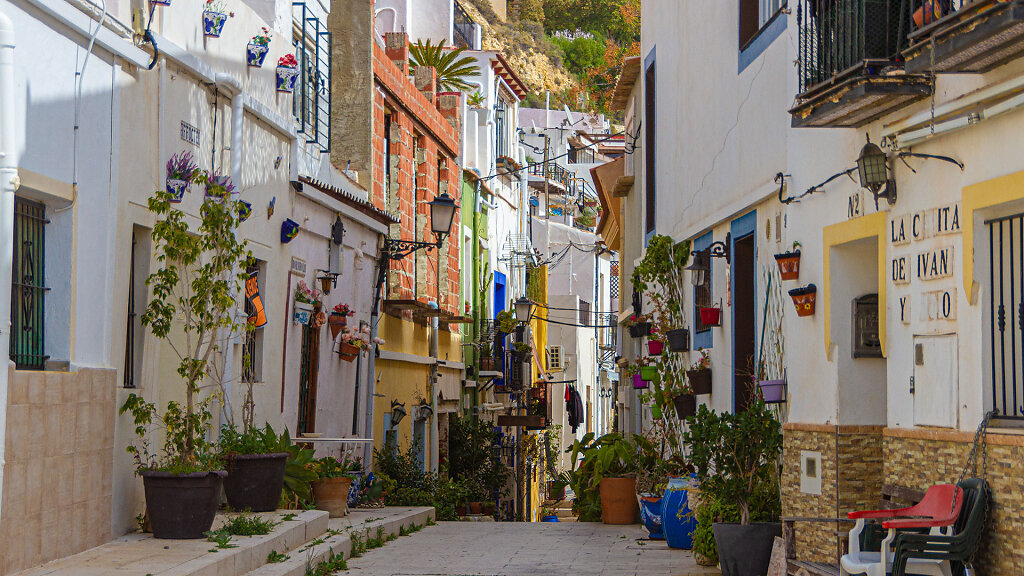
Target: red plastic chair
(940, 508)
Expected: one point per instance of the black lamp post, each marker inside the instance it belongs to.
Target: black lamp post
(524, 307)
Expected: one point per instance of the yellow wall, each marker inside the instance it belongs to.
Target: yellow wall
(539, 328)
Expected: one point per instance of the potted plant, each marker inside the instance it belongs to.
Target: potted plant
(711, 315)
(678, 339)
(803, 299)
(200, 271)
(338, 319)
(506, 322)
(523, 350)
(477, 100)
(333, 482)
(287, 73)
(736, 457)
(685, 404)
(255, 459)
(486, 360)
(289, 230)
(182, 170)
(214, 16)
(655, 347)
(612, 464)
(305, 300)
(699, 374)
(789, 263)
(772, 391)
(256, 50)
(219, 187)
(639, 325)
(244, 210)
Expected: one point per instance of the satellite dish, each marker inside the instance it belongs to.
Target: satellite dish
(568, 114)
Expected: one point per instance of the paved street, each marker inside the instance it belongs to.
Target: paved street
(537, 549)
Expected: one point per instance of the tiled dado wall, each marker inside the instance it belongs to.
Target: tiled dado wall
(854, 484)
(59, 451)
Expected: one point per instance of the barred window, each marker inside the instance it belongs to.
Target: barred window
(28, 288)
(311, 100)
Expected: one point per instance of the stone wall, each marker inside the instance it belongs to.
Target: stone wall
(921, 458)
(60, 452)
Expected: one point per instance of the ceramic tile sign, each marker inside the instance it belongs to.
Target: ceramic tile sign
(904, 302)
(908, 227)
(899, 270)
(939, 305)
(947, 220)
(934, 264)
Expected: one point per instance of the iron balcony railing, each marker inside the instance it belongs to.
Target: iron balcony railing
(311, 100)
(582, 156)
(462, 28)
(838, 36)
(566, 178)
(1006, 322)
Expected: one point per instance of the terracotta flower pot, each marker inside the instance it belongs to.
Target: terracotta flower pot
(685, 405)
(700, 380)
(711, 316)
(789, 265)
(476, 507)
(336, 322)
(803, 299)
(348, 352)
(618, 501)
(655, 347)
(460, 510)
(331, 495)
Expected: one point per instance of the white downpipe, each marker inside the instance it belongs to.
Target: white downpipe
(8, 184)
(435, 376)
(524, 208)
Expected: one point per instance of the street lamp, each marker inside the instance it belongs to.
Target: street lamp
(424, 411)
(397, 413)
(523, 308)
(699, 268)
(873, 170)
(442, 213)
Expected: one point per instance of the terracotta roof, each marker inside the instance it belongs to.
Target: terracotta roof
(350, 199)
(624, 85)
(504, 69)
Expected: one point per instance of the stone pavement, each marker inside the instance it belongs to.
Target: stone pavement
(527, 549)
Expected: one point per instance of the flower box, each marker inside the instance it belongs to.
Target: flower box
(655, 347)
(649, 373)
(639, 383)
(302, 312)
(678, 339)
(255, 54)
(789, 265)
(286, 78)
(803, 299)
(700, 381)
(213, 23)
(711, 316)
(773, 391)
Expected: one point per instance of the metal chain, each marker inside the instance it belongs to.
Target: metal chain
(935, 85)
(980, 439)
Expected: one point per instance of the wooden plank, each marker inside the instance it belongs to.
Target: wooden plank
(902, 493)
(797, 568)
(521, 421)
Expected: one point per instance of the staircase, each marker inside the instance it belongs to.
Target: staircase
(562, 509)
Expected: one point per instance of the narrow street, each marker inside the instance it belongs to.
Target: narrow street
(534, 549)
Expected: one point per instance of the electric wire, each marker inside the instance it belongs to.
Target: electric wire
(527, 166)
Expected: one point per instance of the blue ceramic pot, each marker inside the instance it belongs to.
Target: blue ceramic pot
(255, 54)
(286, 78)
(676, 522)
(650, 515)
(549, 519)
(289, 230)
(213, 23)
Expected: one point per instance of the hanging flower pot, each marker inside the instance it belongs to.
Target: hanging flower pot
(213, 23)
(685, 405)
(244, 211)
(255, 54)
(160, 2)
(287, 73)
(302, 312)
(678, 339)
(336, 322)
(773, 391)
(348, 352)
(639, 383)
(928, 12)
(176, 188)
(655, 347)
(803, 299)
(789, 264)
(289, 230)
(711, 316)
(656, 412)
(700, 381)
(649, 373)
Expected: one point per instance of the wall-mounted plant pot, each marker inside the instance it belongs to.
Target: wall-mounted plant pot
(176, 188)
(244, 211)
(336, 322)
(213, 23)
(286, 78)
(803, 299)
(773, 391)
(648, 373)
(640, 329)
(302, 312)
(289, 230)
(711, 316)
(639, 383)
(789, 265)
(679, 339)
(160, 2)
(656, 412)
(486, 363)
(655, 347)
(348, 352)
(700, 380)
(255, 54)
(685, 405)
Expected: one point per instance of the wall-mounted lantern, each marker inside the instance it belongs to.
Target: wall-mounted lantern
(873, 169)
(523, 308)
(424, 411)
(397, 412)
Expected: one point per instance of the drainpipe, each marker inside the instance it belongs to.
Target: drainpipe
(524, 208)
(434, 376)
(8, 184)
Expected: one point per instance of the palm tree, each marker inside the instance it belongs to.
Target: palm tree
(452, 68)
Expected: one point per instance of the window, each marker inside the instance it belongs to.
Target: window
(702, 296)
(501, 124)
(389, 205)
(28, 289)
(252, 348)
(311, 101)
(138, 270)
(554, 358)
(754, 14)
(581, 155)
(585, 313)
(1005, 315)
(650, 123)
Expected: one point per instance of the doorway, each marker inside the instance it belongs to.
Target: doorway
(309, 361)
(744, 339)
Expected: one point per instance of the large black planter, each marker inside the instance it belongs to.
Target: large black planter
(700, 380)
(255, 481)
(182, 506)
(685, 405)
(745, 550)
(640, 329)
(678, 339)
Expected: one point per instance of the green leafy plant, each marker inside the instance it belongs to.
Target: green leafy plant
(288, 517)
(221, 538)
(452, 67)
(251, 440)
(297, 473)
(195, 292)
(276, 557)
(245, 525)
(506, 321)
(331, 467)
(331, 565)
(476, 99)
(610, 456)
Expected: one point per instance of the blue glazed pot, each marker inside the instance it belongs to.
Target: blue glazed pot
(255, 54)
(650, 515)
(213, 23)
(286, 78)
(289, 230)
(549, 519)
(676, 522)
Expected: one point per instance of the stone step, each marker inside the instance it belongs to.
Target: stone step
(337, 539)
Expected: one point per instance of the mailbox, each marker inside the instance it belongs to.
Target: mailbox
(866, 340)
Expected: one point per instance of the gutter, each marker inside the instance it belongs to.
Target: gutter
(83, 24)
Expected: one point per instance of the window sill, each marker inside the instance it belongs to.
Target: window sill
(756, 46)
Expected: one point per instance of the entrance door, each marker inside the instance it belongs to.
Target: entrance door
(308, 372)
(744, 301)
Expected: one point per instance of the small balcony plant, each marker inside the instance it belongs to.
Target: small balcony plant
(699, 373)
(287, 73)
(182, 170)
(219, 188)
(306, 300)
(256, 50)
(333, 484)
(215, 14)
(338, 318)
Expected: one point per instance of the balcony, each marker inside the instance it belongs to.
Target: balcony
(850, 63)
(965, 35)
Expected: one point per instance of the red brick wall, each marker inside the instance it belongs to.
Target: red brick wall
(413, 113)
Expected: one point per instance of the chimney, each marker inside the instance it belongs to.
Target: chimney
(426, 82)
(396, 46)
(448, 106)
